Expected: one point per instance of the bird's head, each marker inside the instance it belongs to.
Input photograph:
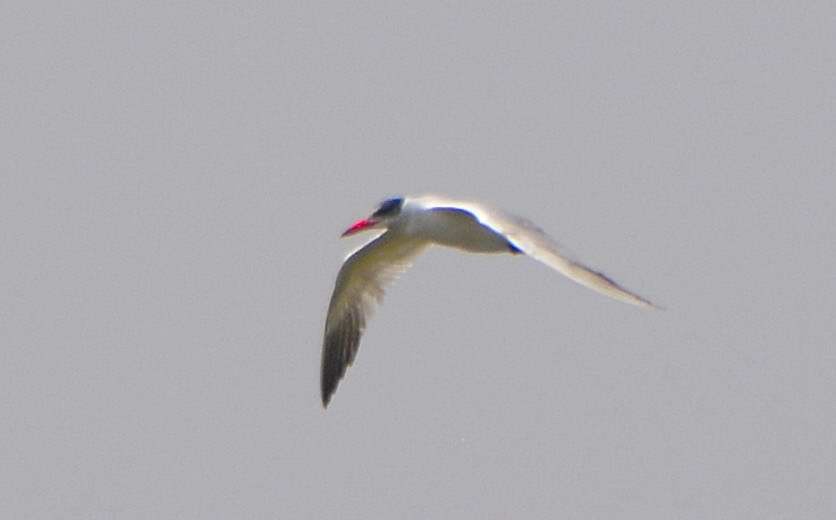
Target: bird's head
(383, 216)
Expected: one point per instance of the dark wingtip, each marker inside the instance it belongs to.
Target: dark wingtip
(329, 385)
(338, 353)
(328, 389)
(334, 362)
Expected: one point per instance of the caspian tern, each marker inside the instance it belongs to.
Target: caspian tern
(411, 224)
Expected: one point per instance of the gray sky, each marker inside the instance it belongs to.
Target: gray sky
(174, 179)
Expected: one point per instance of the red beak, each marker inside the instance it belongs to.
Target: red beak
(360, 225)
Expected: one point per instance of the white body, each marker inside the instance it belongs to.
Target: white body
(417, 223)
(449, 228)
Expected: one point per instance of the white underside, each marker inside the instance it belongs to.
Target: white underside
(458, 230)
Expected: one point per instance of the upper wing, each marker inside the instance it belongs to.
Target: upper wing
(534, 242)
(359, 286)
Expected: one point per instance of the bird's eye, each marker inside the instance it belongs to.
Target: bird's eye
(389, 207)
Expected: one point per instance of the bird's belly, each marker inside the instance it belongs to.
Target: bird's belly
(461, 231)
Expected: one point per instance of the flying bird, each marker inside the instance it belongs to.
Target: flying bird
(411, 224)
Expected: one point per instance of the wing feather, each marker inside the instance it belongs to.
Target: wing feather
(533, 241)
(359, 286)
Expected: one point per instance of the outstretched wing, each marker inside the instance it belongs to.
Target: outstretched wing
(533, 241)
(359, 286)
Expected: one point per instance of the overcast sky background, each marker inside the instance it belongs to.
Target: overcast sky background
(174, 180)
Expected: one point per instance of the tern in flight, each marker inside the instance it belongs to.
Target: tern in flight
(411, 224)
